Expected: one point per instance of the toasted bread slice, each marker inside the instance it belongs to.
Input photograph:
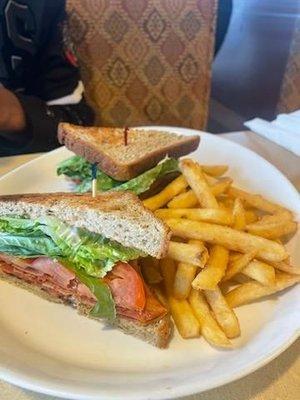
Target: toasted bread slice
(157, 333)
(120, 216)
(106, 147)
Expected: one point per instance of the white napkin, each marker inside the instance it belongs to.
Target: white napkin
(284, 130)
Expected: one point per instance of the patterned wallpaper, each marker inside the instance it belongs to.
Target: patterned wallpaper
(290, 90)
(145, 62)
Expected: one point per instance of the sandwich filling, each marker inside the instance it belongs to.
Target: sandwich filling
(79, 170)
(77, 266)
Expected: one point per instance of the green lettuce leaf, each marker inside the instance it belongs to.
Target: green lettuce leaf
(92, 252)
(24, 238)
(143, 182)
(75, 167)
(78, 168)
(88, 254)
(49, 236)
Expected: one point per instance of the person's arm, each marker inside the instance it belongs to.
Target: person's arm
(12, 116)
(29, 121)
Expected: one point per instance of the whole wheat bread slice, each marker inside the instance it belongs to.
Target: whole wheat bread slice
(157, 333)
(120, 216)
(106, 147)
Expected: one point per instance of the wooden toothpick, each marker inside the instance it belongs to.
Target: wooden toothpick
(126, 130)
(94, 180)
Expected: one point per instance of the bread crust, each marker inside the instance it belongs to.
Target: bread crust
(157, 333)
(120, 216)
(94, 145)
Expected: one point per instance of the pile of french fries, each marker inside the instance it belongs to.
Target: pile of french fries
(227, 250)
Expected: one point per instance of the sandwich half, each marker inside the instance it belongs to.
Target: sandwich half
(127, 159)
(85, 251)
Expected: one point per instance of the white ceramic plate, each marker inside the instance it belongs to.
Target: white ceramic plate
(48, 348)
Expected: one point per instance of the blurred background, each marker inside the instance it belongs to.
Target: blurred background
(256, 71)
(204, 64)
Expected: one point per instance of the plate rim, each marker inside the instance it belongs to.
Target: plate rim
(19, 379)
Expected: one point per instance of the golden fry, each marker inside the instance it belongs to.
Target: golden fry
(279, 216)
(260, 272)
(221, 186)
(186, 273)
(196, 180)
(239, 218)
(226, 202)
(214, 215)
(285, 267)
(188, 199)
(214, 170)
(228, 237)
(251, 291)
(210, 329)
(250, 217)
(184, 318)
(168, 271)
(237, 263)
(188, 253)
(223, 313)
(214, 270)
(209, 179)
(272, 230)
(183, 279)
(256, 201)
(177, 186)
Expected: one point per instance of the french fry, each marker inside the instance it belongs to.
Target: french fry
(184, 276)
(248, 292)
(188, 199)
(223, 313)
(230, 238)
(177, 186)
(214, 270)
(210, 329)
(214, 170)
(209, 179)
(237, 264)
(285, 267)
(214, 215)
(260, 272)
(279, 216)
(272, 230)
(184, 318)
(196, 180)
(168, 271)
(239, 218)
(226, 202)
(250, 216)
(234, 255)
(256, 201)
(188, 253)
(150, 270)
(221, 186)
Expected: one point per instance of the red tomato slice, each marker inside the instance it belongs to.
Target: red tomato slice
(127, 287)
(153, 309)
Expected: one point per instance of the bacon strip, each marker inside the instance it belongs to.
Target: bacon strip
(57, 280)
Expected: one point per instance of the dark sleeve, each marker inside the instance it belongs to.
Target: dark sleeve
(55, 77)
(42, 121)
